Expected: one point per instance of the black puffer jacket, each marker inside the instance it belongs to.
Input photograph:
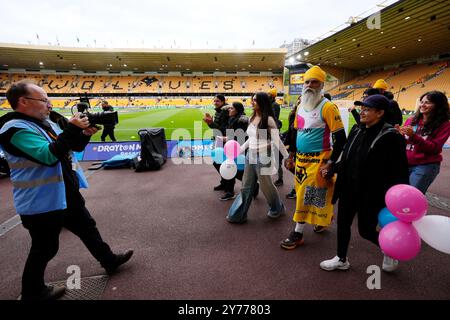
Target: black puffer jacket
(289, 137)
(220, 121)
(239, 122)
(394, 115)
(382, 166)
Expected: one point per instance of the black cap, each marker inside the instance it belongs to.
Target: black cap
(377, 101)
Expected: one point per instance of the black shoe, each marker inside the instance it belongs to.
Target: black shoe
(255, 193)
(292, 194)
(319, 229)
(119, 260)
(48, 293)
(228, 196)
(294, 240)
(278, 183)
(219, 187)
(236, 222)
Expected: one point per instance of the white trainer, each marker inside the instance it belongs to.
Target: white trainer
(335, 263)
(389, 264)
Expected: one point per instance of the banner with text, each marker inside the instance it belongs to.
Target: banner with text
(106, 150)
(296, 80)
(100, 151)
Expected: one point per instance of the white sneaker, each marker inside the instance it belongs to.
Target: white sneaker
(389, 264)
(335, 263)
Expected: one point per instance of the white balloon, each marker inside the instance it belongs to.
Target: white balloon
(228, 169)
(435, 231)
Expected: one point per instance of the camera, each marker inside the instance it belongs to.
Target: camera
(4, 167)
(105, 117)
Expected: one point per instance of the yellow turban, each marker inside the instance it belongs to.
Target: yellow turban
(315, 73)
(272, 92)
(380, 84)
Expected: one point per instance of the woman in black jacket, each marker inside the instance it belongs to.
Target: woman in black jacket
(289, 138)
(238, 122)
(373, 160)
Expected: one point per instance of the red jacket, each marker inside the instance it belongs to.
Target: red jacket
(422, 149)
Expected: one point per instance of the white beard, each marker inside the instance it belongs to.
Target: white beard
(310, 98)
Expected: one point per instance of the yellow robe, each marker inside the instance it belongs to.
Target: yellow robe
(314, 193)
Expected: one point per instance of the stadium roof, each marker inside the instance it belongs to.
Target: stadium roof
(29, 57)
(410, 29)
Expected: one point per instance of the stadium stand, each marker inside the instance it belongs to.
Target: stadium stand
(406, 83)
(167, 88)
(410, 50)
(144, 84)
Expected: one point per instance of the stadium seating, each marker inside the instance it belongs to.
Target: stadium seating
(162, 85)
(406, 83)
(73, 84)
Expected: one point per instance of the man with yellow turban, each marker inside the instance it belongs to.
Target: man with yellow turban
(393, 114)
(381, 85)
(316, 119)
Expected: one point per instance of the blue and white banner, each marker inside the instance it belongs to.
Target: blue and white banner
(190, 148)
(106, 150)
(100, 151)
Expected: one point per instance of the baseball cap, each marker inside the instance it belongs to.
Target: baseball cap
(377, 101)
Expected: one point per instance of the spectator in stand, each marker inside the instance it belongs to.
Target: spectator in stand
(425, 135)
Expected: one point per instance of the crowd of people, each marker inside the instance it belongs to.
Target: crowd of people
(327, 167)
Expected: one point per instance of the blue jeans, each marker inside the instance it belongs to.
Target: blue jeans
(252, 174)
(422, 176)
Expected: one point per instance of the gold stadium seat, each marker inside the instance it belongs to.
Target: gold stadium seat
(75, 84)
(406, 83)
(169, 87)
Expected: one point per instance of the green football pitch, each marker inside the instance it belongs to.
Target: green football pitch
(179, 123)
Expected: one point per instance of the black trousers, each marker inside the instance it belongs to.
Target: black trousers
(280, 166)
(229, 184)
(367, 224)
(108, 131)
(44, 230)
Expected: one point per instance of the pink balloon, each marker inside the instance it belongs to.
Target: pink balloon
(231, 149)
(400, 240)
(405, 202)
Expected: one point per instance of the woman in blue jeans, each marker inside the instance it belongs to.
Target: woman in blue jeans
(263, 146)
(426, 134)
